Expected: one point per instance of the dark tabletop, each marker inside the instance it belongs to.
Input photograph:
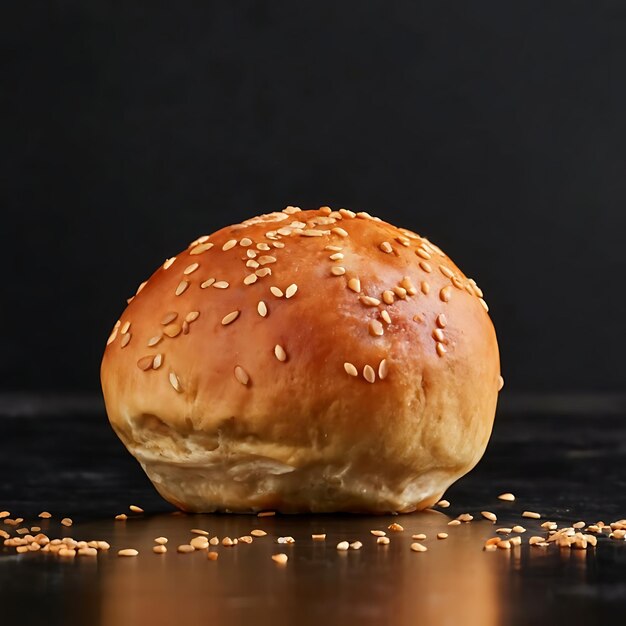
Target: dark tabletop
(568, 463)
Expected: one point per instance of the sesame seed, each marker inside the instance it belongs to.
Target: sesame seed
(369, 301)
(135, 509)
(424, 287)
(112, 337)
(281, 558)
(192, 316)
(280, 353)
(504, 545)
(445, 293)
(312, 232)
(438, 334)
(395, 527)
(182, 286)
(483, 304)
(400, 292)
(338, 270)
(276, 291)
(161, 540)
(125, 327)
(504, 531)
(403, 241)
(343, 545)
(252, 263)
(203, 247)
(426, 266)
(423, 253)
(383, 369)
(241, 375)
(369, 374)
(169, 317)
(376, 328)
(383, 541)
(66, 521)
(489, 515)
(221, 284)
(386, 247)
(518, 529)
(454, 522)
(441, 349)
(261, 308)
(531, 514)
(122, 517)
(251, 254)
(158, 360)
(465, 517)
(442, 535)
(291, 290)
(378, 533)
(159, 549)
(168, 263)
(185, 548)
(339, 231)
(418, 547)
(207, 283)
(446, 271)
(500, 382)
(325, 210)
(231, 317)
(356, 545)
(199, 543)
(578, 525)
(508, 497)
(245, 539)
(231, 243)
(444, 504)
(214, 541)
(250, 279)
(172, 330)
(290, 210)
(441, 320)
(174, 381)
(125, 340)
(191, 268)
(350, 369)
(354, 284)
(319, 537)
(338, 256)
(347, 213)
(388, 296)
(266, 260)
(128, 552)
(257, 532)
(386, 317)
(333, 248)
(212, 556)
(42, 515)
(419, 537)
(245, 242)
(145, 363)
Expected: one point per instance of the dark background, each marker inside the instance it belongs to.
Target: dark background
(496, 129)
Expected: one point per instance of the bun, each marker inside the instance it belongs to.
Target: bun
(304, 361)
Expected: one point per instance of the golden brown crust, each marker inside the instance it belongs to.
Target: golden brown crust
(247, 411)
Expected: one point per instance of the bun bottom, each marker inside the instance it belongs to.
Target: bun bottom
(249, 484)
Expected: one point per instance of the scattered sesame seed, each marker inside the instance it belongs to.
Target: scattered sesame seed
(145, 363)
(333, 248)
(250, 279)
(426, 266)
(395, 527)
(207, 283)
(465, 517)
(136, 509)
(446, 271)
(385, 317)
(319, 537)
(518, 529)
(168, 263)
(122, 517)
(500, 382)
(125, 327)
(182, 286)
(424, 287)
(445, 293)
(444, 504)
(231, 243)
(266, 260)
(508, 497)
(378, 533)
(383, 369)
(125, 340)
(281, 558)
(228, 542)
(338, 256)
(376, 328)
(266, 514)
(231, 317)
(369, 301)
(257, 532)
(158, 360)
(161, 540)
(291, 290)
(174, 381)
(159, 549)
(400, 292)
(192, 316)
(504, 531)
(185, 548)
(125, 552)
(419, 537)
(369, 374)
(280, 353)
(339, 231)
(483, 304)
(343, 545)
(214, 541)
(245, 242)
(383, 541)
(241, 375)
(356, 545)
(203, 247)
(578, 525)
(388, 296)
(441, 349)
(531, 514)
(454, 522)
(442, 535)
(386, 247)
(172, 330)
(354, 284)
(275, 291)
(423, 253)
(221, 284)
(337, 270)
(42, 515)
(212, 556)
(66, 521)
(199, 543)
(492, 517)
(438, 334)
(191, 268)
(261, 308)
(441, 320)
(312, 232)
(418, 547)
(350, 369)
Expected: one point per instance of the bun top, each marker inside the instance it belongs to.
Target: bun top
(278, 318)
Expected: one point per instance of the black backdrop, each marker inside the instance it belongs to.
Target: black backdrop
(497, 129)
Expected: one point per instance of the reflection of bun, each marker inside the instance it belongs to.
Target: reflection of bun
(304, 361)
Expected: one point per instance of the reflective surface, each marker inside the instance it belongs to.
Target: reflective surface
(567, 468)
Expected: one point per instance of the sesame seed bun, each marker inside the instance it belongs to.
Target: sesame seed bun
(304, 361)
